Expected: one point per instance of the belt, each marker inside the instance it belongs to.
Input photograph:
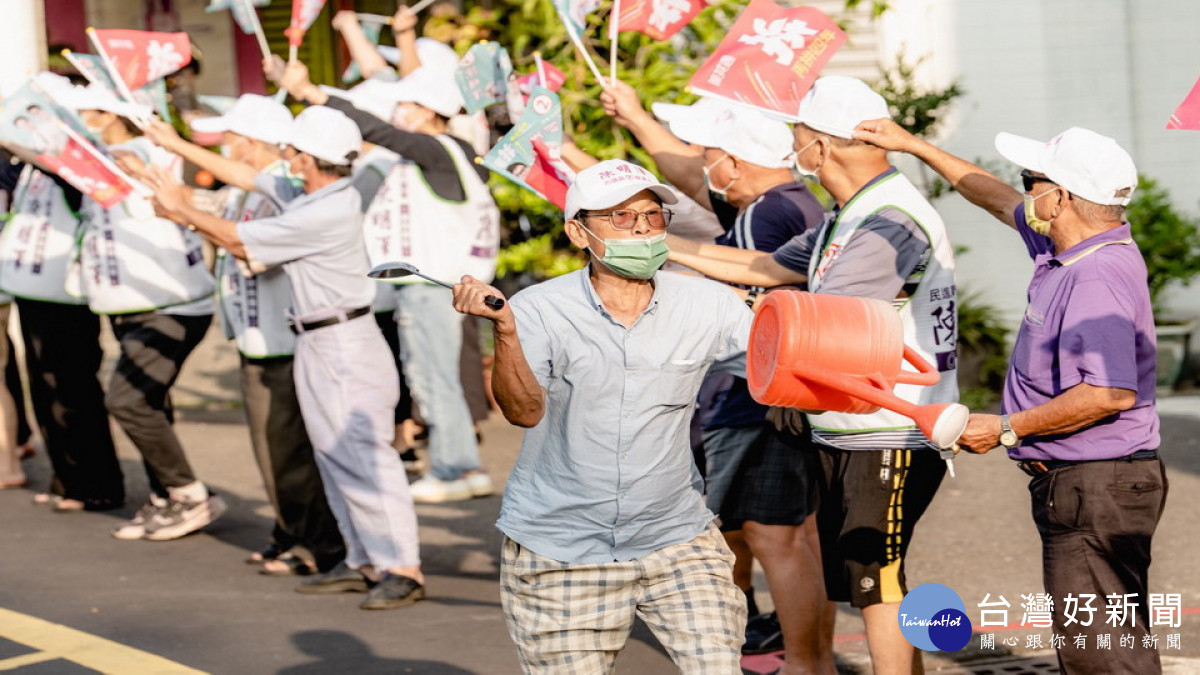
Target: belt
(1037, 467)
(331, 321)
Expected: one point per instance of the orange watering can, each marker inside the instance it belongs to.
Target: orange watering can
(837, 353)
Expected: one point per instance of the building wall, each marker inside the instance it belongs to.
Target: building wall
(1037, 67)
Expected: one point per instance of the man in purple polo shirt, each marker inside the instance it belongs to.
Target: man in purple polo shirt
(1079, 411)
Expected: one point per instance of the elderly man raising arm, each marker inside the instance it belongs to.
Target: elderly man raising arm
(603, 515)
(1078, 410)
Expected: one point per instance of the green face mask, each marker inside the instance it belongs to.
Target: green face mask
(637, 258)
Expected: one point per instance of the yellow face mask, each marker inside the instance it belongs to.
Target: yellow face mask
(1036, 224)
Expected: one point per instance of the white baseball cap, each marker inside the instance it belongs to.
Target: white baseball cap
(326, 134)
(611, 182)
(431, 53)
(259, 117)
(95, 97)
(1084, 162)
(429, 87)
(837, 104)
(742, 132)
(371, 95)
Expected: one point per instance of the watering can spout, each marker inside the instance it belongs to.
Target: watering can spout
(942, 423)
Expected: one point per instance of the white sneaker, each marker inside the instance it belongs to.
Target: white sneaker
(430, 490)
(480, 483)
(136, 528)
(183, 517)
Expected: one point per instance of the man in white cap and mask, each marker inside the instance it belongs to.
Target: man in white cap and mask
(604, 516)
(434, 211)
(253, 308)
(760, 480)
(886, 242)
(342, 362)
(1078, 412)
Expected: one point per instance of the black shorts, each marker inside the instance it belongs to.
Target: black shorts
(869, 502)
(770, 477)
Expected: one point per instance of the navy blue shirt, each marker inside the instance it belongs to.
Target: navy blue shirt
(775, 218)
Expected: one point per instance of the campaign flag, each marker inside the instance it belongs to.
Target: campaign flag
(304, 13)
(549, 175)
(514, 156)
(555, 79)
(1187, 115)
(153, 95)
(770, 57)
(140, 56)
(483, 76)
(575, 12)
(32, 121)
(660, 19)
(242, 11)
(371, 29)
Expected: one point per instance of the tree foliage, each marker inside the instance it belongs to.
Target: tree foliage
(1169, 240)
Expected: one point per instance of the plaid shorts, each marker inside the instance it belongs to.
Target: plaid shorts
(567, 618)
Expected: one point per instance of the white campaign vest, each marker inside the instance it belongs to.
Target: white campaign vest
(39, 242)
(928, 315)
(134, 261)
(254, 306)
(408, 222)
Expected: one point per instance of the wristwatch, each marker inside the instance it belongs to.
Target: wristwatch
(1008, 438)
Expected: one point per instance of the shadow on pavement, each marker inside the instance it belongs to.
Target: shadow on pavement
(338, 652)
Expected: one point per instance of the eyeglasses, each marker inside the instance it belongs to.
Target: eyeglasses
(626, 219)
(1028, 179)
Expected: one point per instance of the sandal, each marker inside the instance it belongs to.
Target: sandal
(14, 484)
(288, 565)
(271, 552)
(42, 498)
(65, 505)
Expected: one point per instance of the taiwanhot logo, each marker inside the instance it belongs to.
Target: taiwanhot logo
(933, 617)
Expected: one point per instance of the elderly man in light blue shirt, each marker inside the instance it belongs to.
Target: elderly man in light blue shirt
(603, 514)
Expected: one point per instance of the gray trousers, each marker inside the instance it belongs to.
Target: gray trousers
(285, 458)
(154, 346)
(348, 388)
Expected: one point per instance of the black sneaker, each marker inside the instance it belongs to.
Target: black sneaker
(763, 634)
(393, 591)
(183, 517)
(340, 579)
(412, 464)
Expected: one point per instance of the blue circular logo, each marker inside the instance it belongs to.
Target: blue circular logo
(933, 617)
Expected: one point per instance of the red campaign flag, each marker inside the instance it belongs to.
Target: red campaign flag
(660, 19)
(770, 57)
(141, 56)
(1187, 115)
(80, 165)
(304, 13)
(554, 79)
(545, 178)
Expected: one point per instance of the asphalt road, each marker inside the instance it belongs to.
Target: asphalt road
(194, 603)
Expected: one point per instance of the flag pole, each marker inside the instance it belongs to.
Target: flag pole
(258, 29)
(582, 51)
(541, 69)
(420, 6)
(614, 26)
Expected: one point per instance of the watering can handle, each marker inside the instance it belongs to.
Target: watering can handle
(926, 374)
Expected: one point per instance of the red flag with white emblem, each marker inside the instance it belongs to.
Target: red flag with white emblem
(660, 19)
(1187, 115)
(141, 56)
(770, 57)
(304, 13)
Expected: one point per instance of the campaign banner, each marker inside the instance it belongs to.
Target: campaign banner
(555, 79)
(243, 11)
(140, 57)
(484, 76)
(515, 157)
(304, 13)
(659, 19)
(770, 57)
(1187, 115)
(31, 121)
(372, 29)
